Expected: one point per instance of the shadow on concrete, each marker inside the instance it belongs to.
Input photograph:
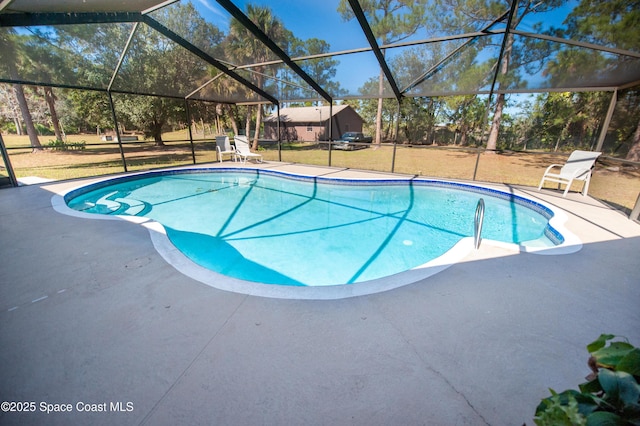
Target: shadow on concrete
(91, 314)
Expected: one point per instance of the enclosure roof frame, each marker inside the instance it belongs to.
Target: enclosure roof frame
(27, 13)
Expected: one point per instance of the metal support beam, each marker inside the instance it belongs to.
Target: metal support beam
(364, 24)
(30, 19)
(505, 40)
(437, 66)
(607, 121)
(159, 6)
(206, 57)
(629, 85)
(203, 86)
(7, 163)
(42, 84)
(583, 44)
(188, 110)
(100, 89)
(331, 122)
(4, 4)
(485, 32)
(482, 33)
(279, 135)
(117, 129)
(266, 40)
(330, 138)
(475, 169)
(122, 55)
(47, 19)
(635, 213)
(395, 138)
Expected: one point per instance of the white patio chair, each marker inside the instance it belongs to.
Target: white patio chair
(243, 152)
(577, 167)
(224, 147)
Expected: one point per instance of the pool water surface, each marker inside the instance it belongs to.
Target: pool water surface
(277, 228)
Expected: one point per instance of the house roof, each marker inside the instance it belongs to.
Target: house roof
(307, 114)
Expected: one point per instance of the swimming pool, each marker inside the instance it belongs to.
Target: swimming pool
(279, 228)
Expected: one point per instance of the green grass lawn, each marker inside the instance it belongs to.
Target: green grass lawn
(612, 182)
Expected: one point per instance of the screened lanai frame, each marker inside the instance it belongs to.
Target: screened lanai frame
(257, 79)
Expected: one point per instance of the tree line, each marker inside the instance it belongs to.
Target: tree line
(549, 120)
(87, 55)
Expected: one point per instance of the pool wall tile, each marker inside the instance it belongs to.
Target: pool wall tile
(551, 233)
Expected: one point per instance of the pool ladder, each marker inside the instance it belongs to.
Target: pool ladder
(477, 224)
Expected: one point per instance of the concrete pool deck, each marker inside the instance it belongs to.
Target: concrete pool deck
(92, 316)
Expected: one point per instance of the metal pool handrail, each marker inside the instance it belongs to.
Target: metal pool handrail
(477, 222)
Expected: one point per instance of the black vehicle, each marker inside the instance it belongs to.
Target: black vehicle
(356, 137)
(350, 141)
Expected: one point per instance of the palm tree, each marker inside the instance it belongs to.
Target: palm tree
(244, 48)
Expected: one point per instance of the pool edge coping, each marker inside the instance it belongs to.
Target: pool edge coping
(186, 266)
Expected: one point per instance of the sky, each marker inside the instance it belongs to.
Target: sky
(320, 19)
(305, 18)
(310, 19)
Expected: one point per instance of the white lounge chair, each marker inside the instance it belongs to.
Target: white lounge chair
(577, 167)
(224, 147)
(243, 152)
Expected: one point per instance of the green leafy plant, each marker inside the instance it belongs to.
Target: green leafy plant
(59, 145)
(611, 395)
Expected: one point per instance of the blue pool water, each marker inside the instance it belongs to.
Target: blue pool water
(276, 228)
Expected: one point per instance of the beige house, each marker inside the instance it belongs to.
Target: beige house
(312, 123)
